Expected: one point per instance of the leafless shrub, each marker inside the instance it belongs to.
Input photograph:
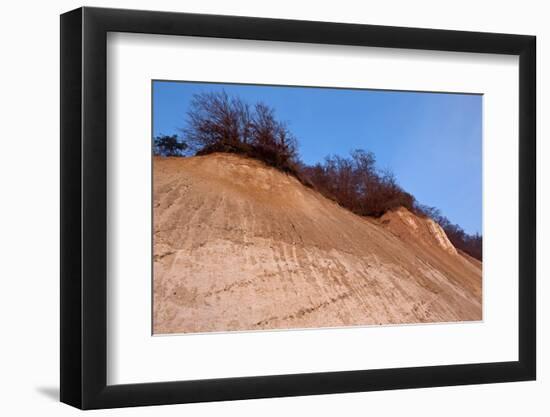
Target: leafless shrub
(219, 123)
(357, 185)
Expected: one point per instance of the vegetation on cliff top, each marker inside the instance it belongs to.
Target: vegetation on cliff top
(220, 123)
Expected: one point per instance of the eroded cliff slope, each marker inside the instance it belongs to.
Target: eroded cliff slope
(242, 246)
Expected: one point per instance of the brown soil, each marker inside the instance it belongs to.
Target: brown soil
(242, 246)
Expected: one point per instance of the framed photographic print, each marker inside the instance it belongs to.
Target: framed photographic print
(257, 208)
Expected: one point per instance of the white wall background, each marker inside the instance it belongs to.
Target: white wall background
(29, 213)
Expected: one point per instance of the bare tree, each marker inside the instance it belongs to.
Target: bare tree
(217, 122)
(215, 118)
(357, 185)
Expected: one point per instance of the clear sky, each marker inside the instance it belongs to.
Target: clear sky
(431, 141)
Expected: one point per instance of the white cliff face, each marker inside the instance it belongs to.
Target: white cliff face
(408, 218)
(419, 229)
(441, 237)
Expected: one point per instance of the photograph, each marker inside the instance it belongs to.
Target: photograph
(298, 207)
(279, 205)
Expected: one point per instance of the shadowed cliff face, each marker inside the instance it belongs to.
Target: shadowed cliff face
(241, 246)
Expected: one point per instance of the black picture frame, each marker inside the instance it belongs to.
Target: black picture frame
(84, 208)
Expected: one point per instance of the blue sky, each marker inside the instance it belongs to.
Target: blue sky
(431, 141)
